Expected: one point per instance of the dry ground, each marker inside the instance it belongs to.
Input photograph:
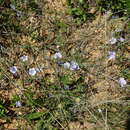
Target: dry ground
(86, 44)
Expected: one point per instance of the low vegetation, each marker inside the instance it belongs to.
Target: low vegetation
(64, 65)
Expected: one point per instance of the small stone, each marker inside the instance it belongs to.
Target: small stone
(77, 100)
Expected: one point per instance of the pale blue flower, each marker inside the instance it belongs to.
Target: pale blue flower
(121, 39)
(122, 82)
(66, 65)
(115, 16)
(32, 71)
(57, 55)
(19, 13)
(74, 66)
(13, 69)
(18, 104)
(99, 110)
(66, 87)
(12, 7)
(113, 40)
(39, 69)
(112, 55)
(24, 58)
(118, 30)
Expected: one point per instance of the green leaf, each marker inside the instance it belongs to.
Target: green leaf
(1, 106)
(81, 1)
(126, 74)
(128, 6)
(1, 2)
(35, 115)
(66, 79)
(39, 125)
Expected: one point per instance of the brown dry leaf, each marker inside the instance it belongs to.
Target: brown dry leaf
(49, 71)
(12, 125)
(47, 54)
(75, 126)
(78, 126)
(15, 124)
(51, 79)
(93, 10)
(112, 71)
(89, 126)
(96, 54)
(100, 97)
(2, 121)
(58, 5)
(97, 20)
(4, 94)
(128, 47)
(21, 110)
(127, 54)
(27, 40)
(102, 85)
